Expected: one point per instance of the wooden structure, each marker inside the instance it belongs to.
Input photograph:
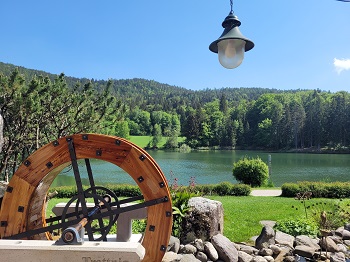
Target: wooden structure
(24, 204)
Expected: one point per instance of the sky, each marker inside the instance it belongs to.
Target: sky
(299, 44)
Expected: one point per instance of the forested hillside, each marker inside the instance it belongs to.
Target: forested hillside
(39, 107)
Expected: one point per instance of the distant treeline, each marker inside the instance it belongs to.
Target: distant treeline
(39, 107)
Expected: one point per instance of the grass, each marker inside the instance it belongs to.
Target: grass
(142, 141)
(242, 215)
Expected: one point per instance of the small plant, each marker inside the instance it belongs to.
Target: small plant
(297, 227)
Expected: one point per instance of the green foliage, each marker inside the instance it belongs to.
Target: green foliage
(297, 227)
(253, 172)
(139, 226)
(318, 189)
(229, 189)
(120, 190)
(180, 198)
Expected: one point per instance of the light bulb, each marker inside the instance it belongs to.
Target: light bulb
(231, 52)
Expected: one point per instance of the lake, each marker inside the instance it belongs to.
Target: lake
(212, 167)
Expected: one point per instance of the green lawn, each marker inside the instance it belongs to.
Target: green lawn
(242, 215)
(142, 141)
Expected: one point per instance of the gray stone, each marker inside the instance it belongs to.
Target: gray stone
(275, 249)
(342, 248)
(265, 252)
(289, 259)
(202, 256)
(189, 249)
(304, 251)
(284, 239)
(225, 248)
(3, 187)
(343, 233)
(304, 240)
(244, 257)
(198, 243)
(347, 226)
(189, 258)
(337, 257)
(211, 251)
(266, 237)
(259, 259)
(326, 243)
(249, 250)
(174, 244)
(171, 257)
(269, 258)
(205, 220)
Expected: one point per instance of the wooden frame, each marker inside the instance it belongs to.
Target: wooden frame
(24, 203)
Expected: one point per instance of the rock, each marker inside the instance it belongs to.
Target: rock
(244, 257)
(343, 233)
(225, 248)
(211, 251)
(202, 256)
(198, 243)
(304, 251)
(284, 239)
(249, 250)
(189, 258)
(171, 257)
(205, 220)
(289, 259)
(189, 249)
(266, 237)
(265, 252)
(347, 226)
(275, 249)
(304, 240)
(328, 244)
(269, 258)
(174, 244)
(259, 259)
(337, 257)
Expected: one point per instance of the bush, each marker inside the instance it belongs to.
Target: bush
(253, 172)
(318, 189)
(297, 227)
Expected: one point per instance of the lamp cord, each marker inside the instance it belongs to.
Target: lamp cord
(231, 3)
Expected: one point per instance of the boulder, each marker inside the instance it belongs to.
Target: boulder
(189, 258)
(328, 244)
(244, 257)
(225, 248)
(304, 240)
(211, 251)
(202, 256)
(284, 239)
(205, 220)
(266, 237)
(174, 244)
(171, 257)
(304, 251)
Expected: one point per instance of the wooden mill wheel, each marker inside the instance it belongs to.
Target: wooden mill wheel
(24, 203)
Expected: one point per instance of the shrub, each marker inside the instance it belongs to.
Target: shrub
(253, 172)
(297, 227)
(318, 189)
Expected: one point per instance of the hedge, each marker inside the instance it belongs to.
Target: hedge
(222, 189)
(318, 189)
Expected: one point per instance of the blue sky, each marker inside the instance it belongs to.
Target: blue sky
(299, 44)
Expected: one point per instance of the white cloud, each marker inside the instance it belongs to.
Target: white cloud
(341, 64)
